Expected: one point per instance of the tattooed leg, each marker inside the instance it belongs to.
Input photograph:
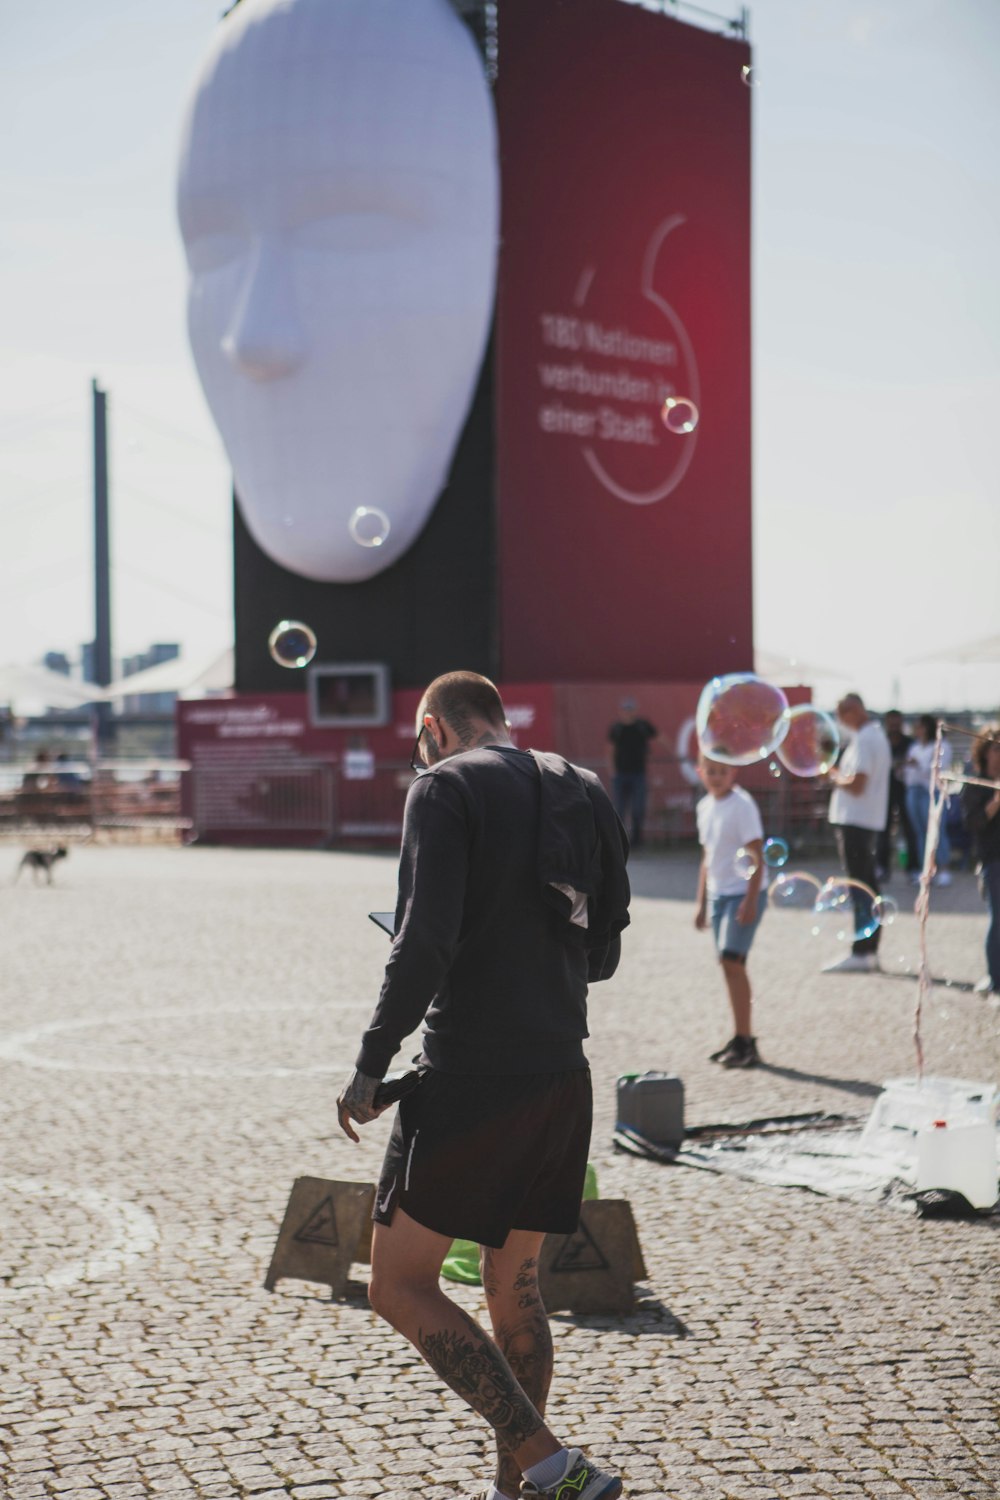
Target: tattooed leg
(521, 1327)
(406, 1263)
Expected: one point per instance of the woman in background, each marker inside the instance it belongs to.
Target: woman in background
(917, 775)
(981, 814)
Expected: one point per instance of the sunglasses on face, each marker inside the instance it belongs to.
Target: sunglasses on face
(416, 764)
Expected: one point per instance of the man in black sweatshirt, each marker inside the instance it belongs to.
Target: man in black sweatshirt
(512, 895)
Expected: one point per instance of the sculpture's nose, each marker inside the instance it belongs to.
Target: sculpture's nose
(265, 339)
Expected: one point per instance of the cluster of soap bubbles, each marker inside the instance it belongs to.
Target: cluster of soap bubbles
(775, 856)
(741, 718)
(842, 908)
(845, 909)
(292, 644)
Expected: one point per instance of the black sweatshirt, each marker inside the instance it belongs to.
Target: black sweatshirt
(479, 951)
(985, 831)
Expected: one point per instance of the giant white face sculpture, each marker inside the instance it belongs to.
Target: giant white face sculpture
(338, 199)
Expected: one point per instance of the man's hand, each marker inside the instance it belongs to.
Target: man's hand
(355, 1103)
(701, 919)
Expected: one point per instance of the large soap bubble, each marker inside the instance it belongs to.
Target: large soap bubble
(369, 526)
(292, 644)
(794, 890)
(887, 910)
(679, 414)
(810, 747)
(741, 718)
(847, 908)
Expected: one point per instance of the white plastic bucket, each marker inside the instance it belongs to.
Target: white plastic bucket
(960, 1158)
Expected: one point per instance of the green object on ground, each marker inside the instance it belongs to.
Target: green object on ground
(462, 1261)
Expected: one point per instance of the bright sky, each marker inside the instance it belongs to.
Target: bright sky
(876, 323)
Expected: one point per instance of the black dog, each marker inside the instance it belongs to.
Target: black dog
(37, 860)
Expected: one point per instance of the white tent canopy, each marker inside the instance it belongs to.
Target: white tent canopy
(985, 651)
(33, 689)
(788, 670)
(188, 677)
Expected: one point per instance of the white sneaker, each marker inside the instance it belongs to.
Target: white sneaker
(854, 963)
(580, 1480)
(984, 987)
(943, 877)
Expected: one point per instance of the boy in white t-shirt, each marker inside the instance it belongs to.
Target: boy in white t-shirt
(730, 897)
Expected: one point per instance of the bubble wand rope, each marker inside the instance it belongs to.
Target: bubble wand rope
(958, 778)
(955, 778)
(922, 905)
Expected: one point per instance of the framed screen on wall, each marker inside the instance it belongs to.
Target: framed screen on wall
(349, 694)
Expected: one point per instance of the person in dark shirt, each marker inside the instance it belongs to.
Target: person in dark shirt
(512, 895)
(981, 815)
(630, 738)
(899, 744)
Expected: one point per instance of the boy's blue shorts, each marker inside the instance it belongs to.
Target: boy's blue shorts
(732, 938)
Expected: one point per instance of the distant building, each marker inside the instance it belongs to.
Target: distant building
(161, 651)
(150, 703)
(56, 661)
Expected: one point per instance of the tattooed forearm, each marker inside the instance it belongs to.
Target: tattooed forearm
(476, 1370)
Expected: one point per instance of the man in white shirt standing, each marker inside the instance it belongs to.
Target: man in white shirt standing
(858, 805)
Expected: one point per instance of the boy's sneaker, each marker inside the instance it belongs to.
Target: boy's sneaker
(718, 1056)
(854, 963)
(742, 1053)
(581, 1480)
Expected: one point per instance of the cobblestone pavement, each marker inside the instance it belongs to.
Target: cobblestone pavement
(173, 1028)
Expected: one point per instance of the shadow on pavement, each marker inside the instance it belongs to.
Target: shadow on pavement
(650, 1316)
(846, 1085)
(964, 986)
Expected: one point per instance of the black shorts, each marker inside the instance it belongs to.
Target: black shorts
(474, 1157)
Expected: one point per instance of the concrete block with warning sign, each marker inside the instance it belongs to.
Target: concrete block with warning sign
(595, 1269)
(327, 1226)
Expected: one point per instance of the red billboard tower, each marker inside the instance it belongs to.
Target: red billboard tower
(624, 548)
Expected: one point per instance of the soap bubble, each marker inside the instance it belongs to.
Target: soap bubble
(775, 853)
(887, 910)
(774, 769)
(749, 76)
(794, 890)
(848, 909)
(811, 744)
(740, 718)
(292, 644)
(369, 526)
(746, 865)
(679, 415)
